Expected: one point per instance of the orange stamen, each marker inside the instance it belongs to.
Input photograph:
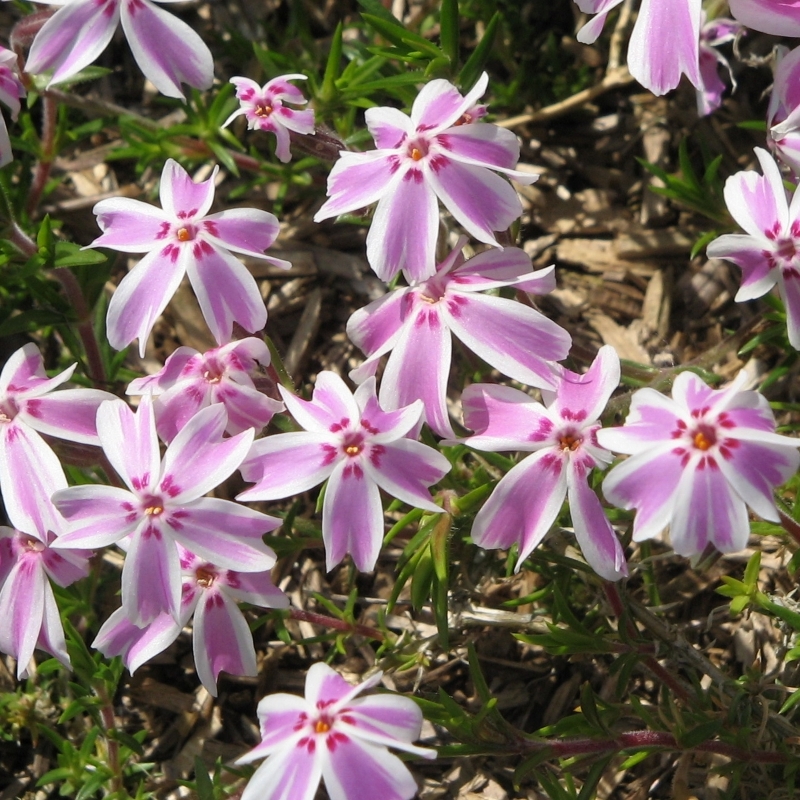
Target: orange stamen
(184, 235)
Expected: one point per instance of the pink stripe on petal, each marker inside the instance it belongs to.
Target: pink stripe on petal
(658, 61)
(129, 226)
(181, 197)
(311, 458)
(359, 770)
(298, 120)
(395, 718)
(69, 414)
(120, 637)
(23, 602)
(221, 640)
(388, 126)
(707, 511)
(384, 426)
(324, 685)
(778, 17)
(480, 200)
(599, 543)
(24, 371)
(291, 772)
(278, 714)
(141, 297)
(376, 327)
(504, 418)
(130, 442)
(758, 202)
(166, 49)
(358, 180)
(51, 634)
(405, 469)
(747, 252)
(419, 367)
(151, 576)
(177, 406)
(73, 38)
(404, 230)
(481, 145)
(512, 337)
(227, 534)
(100, 515)
(494, 268)
(523, 506)
(589, 393)
(651, 420)
(789, 288)
(439, 104)
(256, 588)
(332, 406)
(246, 407)
(352, 517)
(244, 230)
(226, 290)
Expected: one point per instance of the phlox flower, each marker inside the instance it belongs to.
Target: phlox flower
(439, 151)
(783, 114)
(29, 616)
(221, 636)
(190, 381)
(413, 324)
(351, 442)
(166, 49)
(778, 17)
(164, 506)
(655, 59)
(28, 409)
(696, 462)
(717, 32)
(264, 108)
(184, 238)
(11, 90)
(334, 735)
(768, 253)
(562, 438)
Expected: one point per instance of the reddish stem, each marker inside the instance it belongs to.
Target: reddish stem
(336, 624)
(42, 172)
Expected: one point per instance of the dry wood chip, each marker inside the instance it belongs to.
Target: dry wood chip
(623, 339)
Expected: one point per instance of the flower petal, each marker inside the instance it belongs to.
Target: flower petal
(166, 49)
(181, 197)
(481, 144)
(375, 328)
(69, 414)
(512, 337)
(384, 426)
(120, 637)
(22, 599)
(747, 252)
(100, 515)
(249, 231)
(651, 419)
(352, 518)
(128, 225)
(778, 17)
(332, 406)
(23, 374)
(439, 104)
(142, 295)
(523, 506)
(289, 772)
(73, 38)
(388, 126)
(226, 290)
(266, 465)
(403, 232)
(789, 288)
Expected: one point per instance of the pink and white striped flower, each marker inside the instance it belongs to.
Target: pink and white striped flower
(266, 110)
(28, 409)
(769, 252)
(29, 616)
(351, 442)
(778, 17)
(439, 151)
(783, 114)
(562, 438)
(414, 325)
(184, 238)
(190, 381)
(164, 505)
(717, 32)
(696, 462)
(221, 637)
(657, 61)
(336, 736)
(11, 90)
(166, 49)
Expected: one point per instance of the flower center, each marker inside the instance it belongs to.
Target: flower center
(417, 149)
(8, 410)
(353, 449)
(570, 441)
(205, 577)
(322, 726)
(786, 249)
(184, 235)
(464, 119)
(262, 109)
(32, 544)
(153, 507)
(704, 438)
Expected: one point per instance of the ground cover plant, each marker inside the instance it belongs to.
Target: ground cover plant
(399, 399)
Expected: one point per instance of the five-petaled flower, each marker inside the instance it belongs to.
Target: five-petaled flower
(334, 735)
(697, 461)
(439, 151)
(29, 408)
(414, 324)
(717, 32)
(184, 238)
(164, 505)
(221, 636)
(190, 381)
(29, 616)
(166, 49)
(357, 446)
(562, 437)
(769, 253)
(264, 108)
